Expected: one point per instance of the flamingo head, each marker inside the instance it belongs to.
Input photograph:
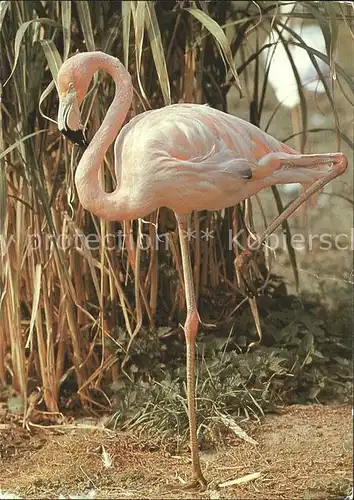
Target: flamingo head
(73, 81)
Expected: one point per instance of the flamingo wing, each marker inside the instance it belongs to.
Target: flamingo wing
(189, 157)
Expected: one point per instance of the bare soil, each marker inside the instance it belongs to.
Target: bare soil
(302, 452)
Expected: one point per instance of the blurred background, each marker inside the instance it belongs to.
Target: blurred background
(322, 270)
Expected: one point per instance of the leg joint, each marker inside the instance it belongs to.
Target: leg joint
(341, 164)
(191, 325)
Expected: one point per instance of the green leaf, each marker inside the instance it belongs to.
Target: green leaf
(3, 9)
(44, 95)
(16, 404)
(110, 38)
(118, 385)
(154, 34)
(126, 15)
(53, 57)
(139, 23)
(163, 330)
(3, 193)
(54, 62)
(66, 22)
(220, 37)
(19, 142)
(21, 33)
(307, 344)
(83, 11)
(35, 303)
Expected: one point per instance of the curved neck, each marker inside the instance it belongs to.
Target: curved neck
(108, 206)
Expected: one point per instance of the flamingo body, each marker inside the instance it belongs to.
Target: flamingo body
(189, 157)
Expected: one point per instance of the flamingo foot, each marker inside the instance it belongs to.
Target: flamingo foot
(198, 482)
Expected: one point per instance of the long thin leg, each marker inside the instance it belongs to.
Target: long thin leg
(190, 331)
(339, 165)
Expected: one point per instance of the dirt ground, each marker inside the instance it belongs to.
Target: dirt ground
(302, 452)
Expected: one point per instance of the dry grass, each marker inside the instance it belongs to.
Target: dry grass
(303, 452)
(67, 314)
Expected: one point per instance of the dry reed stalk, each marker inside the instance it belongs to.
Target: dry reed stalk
(13, 326)
(177, 260)
(2, 353)
(61, 339)
(215, 229)
(76, 355)
(214, 266)
(137, 290)
(132, 259)
(13, 264)
(174, 306)
(189, 83)
(3, 225)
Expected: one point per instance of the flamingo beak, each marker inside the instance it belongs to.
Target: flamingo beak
(75, 136)
(69, 120)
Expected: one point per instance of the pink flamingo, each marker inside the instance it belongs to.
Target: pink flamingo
(185, 157)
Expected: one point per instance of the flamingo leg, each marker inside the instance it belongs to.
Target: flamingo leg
(190, 332)
(339, 165)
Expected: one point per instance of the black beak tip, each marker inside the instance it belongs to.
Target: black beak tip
(76, 136)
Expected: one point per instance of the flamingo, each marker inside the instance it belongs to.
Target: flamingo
(185, 157)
